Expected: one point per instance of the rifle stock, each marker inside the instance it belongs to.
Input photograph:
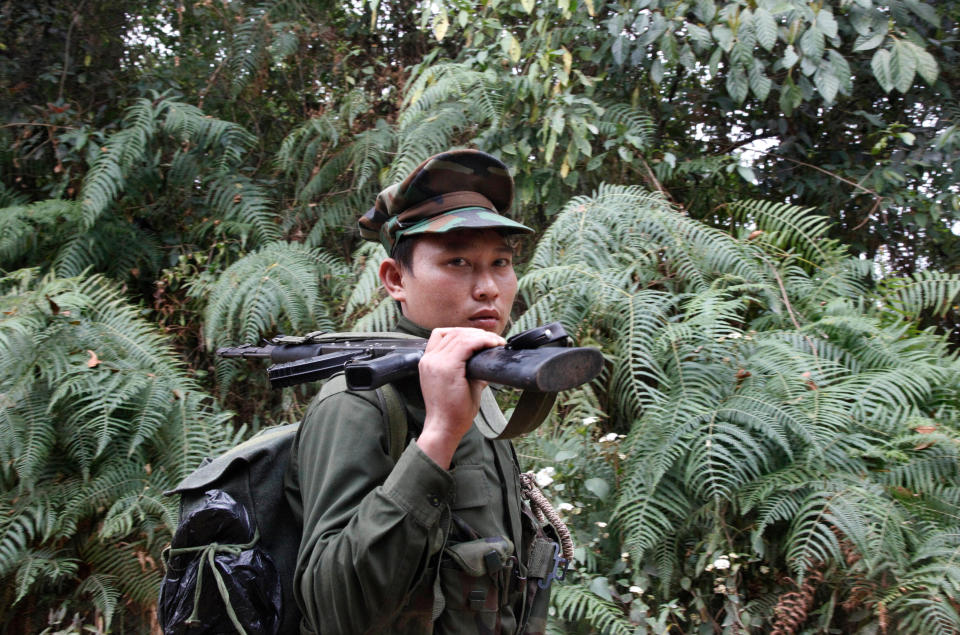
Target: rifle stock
(537, 369)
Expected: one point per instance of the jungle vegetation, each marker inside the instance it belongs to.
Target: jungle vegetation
(751, 207)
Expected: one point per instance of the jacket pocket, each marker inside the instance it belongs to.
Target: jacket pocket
(471, 487)
(472, 580)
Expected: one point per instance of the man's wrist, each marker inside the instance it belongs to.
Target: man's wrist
(438, 443)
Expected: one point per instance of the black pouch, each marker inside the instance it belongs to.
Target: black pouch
(219, 579)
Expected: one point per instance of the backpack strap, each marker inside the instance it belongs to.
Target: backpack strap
(396, 419)
(391, 407)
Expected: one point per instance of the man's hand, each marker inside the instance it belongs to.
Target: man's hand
(450, 399)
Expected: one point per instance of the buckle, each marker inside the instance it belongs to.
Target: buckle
(514, 564)
(559, 572)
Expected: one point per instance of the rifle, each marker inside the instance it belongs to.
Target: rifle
(538, 360)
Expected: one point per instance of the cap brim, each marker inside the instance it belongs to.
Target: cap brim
(465, 218)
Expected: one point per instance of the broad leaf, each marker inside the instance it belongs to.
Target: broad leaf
(760, 84)
(880, 65)
(737, 84)
(903, 65)
(766, 28)
(827, 83)
(598, 487)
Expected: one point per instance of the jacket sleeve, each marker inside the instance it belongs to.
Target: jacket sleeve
(369, 526)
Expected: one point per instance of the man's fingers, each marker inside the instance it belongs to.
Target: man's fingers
(464, 338)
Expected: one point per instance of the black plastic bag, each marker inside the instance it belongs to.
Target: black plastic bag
(219, 580)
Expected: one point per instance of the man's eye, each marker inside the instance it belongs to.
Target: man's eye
(458, 261)
(501, 262)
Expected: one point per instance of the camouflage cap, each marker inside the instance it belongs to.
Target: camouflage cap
(459, 189)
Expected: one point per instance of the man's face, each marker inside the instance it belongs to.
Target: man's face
(460, 278)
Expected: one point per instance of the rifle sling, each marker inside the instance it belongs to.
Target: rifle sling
(529, 413)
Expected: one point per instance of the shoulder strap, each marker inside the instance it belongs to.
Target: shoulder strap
(391, 406)
(337, 383)
(396, 418)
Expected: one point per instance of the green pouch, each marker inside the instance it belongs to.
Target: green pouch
(485, 555)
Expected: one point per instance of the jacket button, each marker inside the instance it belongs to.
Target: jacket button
(434, 500)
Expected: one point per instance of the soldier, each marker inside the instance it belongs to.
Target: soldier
(440, 541)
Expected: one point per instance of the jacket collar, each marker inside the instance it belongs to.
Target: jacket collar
(404, 325)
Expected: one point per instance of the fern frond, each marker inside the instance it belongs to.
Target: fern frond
(381, 318)
(11, 198)
(647, 515)
(204, 135)
(626, 121)
(39, 568)
(366, 291)
(284, 41)
(112, 246)
(723, 460)
(924, 290)
(247, 51)
(104, 419)
(135, 570)
(34, 229)
(793, 228)
(575, 602)
(424, 135)
(124, 150)
(253, 294)
(104, 594)
(445, 82)
(243, 207)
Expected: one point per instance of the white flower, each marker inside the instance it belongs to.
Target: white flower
(608, 438)
(636, 589)
(722, 562)
(625, 556)
(600, 524)
(590, 421)
(564, 507)
(545, 476)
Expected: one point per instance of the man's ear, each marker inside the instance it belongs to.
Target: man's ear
(391, 275)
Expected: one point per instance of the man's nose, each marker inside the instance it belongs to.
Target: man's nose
(485, 285)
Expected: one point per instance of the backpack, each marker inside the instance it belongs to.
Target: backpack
(230, 565)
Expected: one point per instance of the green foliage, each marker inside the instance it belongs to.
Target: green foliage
(126, 173)
(31, 232)
(99, 417)
(775, 411)
(367, 308)
(313, 156)
(275, 289)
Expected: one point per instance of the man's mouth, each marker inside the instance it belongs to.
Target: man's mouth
(482, 319)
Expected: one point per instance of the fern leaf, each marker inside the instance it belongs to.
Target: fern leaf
(922, 291)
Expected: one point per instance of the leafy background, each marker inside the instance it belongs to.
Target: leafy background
(750, 206)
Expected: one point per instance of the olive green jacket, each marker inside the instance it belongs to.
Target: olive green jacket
(407, 547)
